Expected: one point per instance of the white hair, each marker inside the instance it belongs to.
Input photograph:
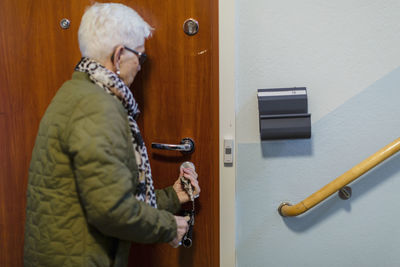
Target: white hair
(105, 26)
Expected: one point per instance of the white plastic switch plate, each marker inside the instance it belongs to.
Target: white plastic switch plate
(228, 151)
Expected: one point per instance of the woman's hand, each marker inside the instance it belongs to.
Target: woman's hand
(182, 228)
(192, 176)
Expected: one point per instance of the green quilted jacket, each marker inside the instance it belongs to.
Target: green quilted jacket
(81, 209)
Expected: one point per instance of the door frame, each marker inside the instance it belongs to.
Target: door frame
(227, 118)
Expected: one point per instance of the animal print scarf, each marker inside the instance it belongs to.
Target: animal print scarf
(113, 85)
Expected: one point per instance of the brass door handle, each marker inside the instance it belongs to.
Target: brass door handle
(186, 146)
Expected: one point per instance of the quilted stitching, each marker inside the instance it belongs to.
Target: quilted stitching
(80, 198)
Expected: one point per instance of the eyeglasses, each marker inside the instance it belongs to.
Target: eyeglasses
(141, 56)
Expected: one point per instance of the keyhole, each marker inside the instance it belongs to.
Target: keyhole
(191, 27)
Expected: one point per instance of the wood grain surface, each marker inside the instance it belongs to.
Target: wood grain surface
(177, 91)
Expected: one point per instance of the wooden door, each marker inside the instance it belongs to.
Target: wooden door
(177, 91)
(36, 57)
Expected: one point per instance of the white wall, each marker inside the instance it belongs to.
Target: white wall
(346, 54)
(334, 48)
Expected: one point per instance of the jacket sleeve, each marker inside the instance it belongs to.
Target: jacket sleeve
(168, 200)
(97, 139)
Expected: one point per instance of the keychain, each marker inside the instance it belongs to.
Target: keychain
(187, 238)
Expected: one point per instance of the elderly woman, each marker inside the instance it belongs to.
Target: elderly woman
(90, 190)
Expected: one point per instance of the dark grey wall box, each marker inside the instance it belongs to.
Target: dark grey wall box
(283, 113)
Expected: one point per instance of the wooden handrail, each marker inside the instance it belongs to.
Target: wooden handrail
(285, 209)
